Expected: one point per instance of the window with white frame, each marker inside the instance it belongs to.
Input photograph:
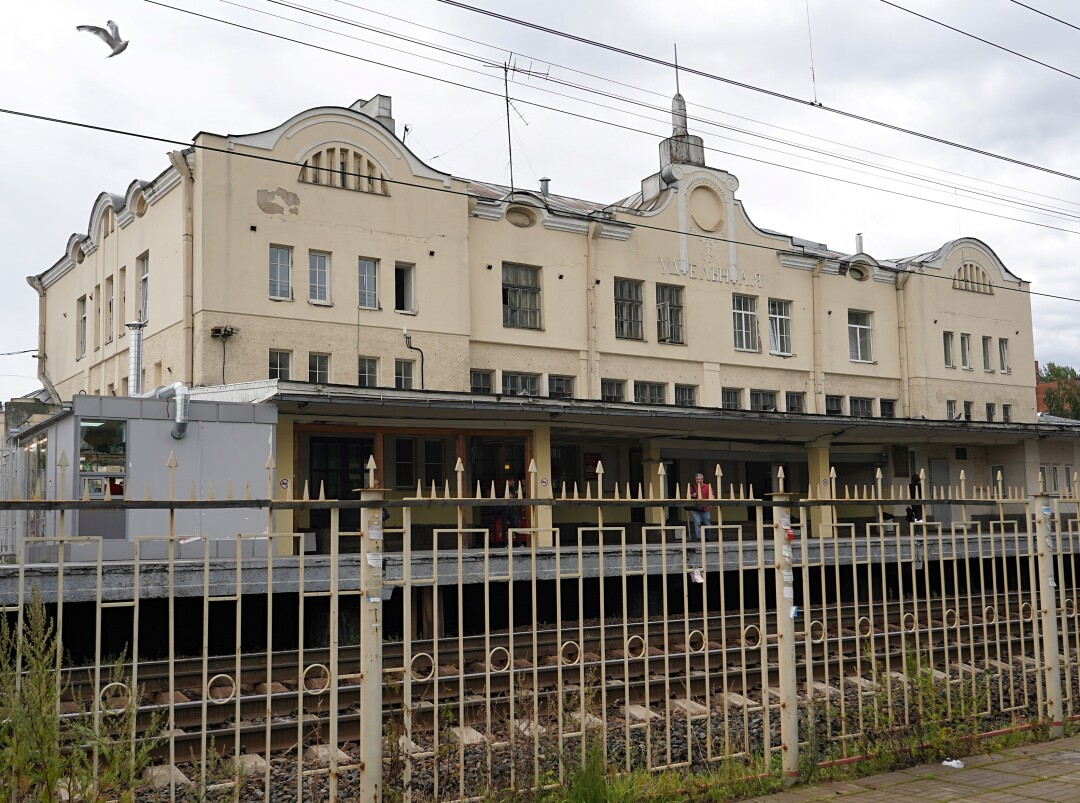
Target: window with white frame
(950, 409)
(280, 363)
(991, 411)
(628, 309)
(947, 342)
(121, 302)
(613, 390)
(669, 314)
(860, 336)
(731, 398)
(80, 327)
(318, 368)
(367, 372)
(763, 400)
(521, 296)
(560, 387)
(968, 407)
(834, 405)
(110, 315)
(795, 402)
(367, 280)
(965, 351)
(404, 287)
(1006, 413)
(403, 374)
(744, 322)
(685, 395)
(887, 408)
(520, 384)
(650, 392)
(861, 407)
(280, 272)
(987, 351)
(481, 382)
(1003, 355)
(319, 276)
(779, 327)
(143, 266)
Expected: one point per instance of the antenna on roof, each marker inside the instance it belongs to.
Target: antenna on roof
(676, 46)
(509, 139)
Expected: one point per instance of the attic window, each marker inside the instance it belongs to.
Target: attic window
(344, 167)
(521, 216)
(858, 273)
(972, 278)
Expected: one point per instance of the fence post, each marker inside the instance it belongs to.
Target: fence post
(785, 636)
(371, 648)
(1045, 547)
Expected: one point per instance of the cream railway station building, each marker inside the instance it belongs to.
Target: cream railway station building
(388, 309)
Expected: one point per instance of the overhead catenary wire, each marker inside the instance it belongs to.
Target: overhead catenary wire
(466, 194)
(989, 197)
(764, 91)
(1048, 16)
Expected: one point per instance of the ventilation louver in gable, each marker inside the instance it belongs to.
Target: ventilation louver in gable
(346, 168)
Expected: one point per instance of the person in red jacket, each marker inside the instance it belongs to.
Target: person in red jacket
(700, 514)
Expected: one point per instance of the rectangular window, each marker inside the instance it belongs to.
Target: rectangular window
(280, 272)
(403, 374)
(887, 408)
(795, 402)
(480, 382)
(763, 400)
(279, 364)
(967, 410)
(367, 280)
(628, 309)
(650, 392)
(110, 309)
(367, 372)
(97, 317)
(861, 407)
(997, 474)
(318, 276)
(404, 462)
(685, 396)
(318, 368)
(669, 314)
(779, 327)
(965, 352)
(433, 462)
(834, 405)
(1003, 355)
(80, 327)
(560, 387)
(144, 287)
(1068, 480)
(612, 390)
(404, 279)
(121, 302)
(991, 411)
(1054, 485)
(521, 296)
(517, 384)
(947, 341)
(731, 398)
(1043, 479)
(860, 336)
(988, 346)
(744, 322)
(950, 409)
(1006, 413)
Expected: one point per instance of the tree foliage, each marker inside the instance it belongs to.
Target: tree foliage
(1063, 397)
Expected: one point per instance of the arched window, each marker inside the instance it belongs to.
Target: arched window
(972, 278)
(344, 167)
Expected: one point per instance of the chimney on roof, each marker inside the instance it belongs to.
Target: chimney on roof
(544, 185)
(858, 243)
(380, 108)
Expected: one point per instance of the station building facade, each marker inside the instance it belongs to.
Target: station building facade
(391, 310)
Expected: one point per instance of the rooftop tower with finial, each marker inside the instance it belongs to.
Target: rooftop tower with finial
(681, 147)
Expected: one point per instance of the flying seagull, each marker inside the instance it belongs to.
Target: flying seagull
(110, 37)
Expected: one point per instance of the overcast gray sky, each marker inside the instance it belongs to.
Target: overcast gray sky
(182, 74)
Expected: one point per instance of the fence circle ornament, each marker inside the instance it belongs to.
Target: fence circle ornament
(325, 675)
(1069, 606)
(951, 619)
(106, 696)
(503, 654)
(990, 614)
(696, 642)
(864, 626)
(635, 647)
(817, 631)
(419, 674)
(1025, 612)
(220, 700)
(910, 623)
(751, 633)
(575, 652)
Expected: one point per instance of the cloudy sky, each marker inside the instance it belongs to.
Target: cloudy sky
(584, 116)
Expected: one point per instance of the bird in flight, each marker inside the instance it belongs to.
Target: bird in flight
(111, 37)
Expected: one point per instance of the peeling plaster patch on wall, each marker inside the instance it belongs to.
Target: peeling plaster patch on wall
(265, 200)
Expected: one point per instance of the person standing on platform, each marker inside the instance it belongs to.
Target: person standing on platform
(701, 513)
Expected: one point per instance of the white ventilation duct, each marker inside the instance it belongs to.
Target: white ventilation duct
(182, 394)
(135, 358)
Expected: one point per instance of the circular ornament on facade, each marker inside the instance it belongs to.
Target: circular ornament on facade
(706, 208)
(521, 216)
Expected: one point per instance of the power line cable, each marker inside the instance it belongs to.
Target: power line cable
(591, 218)
(762, 90)
(962, 32)
(1048, 16)
(13, 353)
(1014, 203)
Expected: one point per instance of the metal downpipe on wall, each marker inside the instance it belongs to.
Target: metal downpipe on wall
(177, 390)
(135, 358)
